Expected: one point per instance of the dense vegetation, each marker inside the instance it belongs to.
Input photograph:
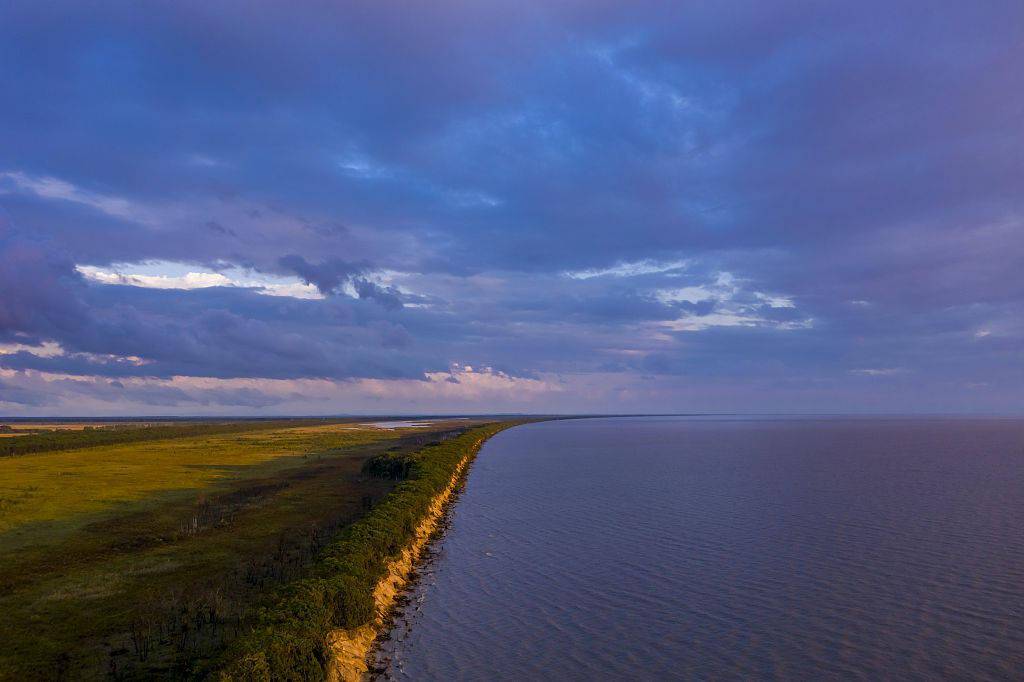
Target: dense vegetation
(288, 641)
(396, 462)
(144, 560)
(119, 434)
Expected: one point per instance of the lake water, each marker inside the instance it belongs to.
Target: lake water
(677, 548)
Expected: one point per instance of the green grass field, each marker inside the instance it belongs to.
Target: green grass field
(289, 638)
(145, 559)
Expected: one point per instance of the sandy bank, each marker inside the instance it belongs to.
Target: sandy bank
(351, 648)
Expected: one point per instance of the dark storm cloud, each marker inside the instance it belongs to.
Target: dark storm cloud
(386, 296)
(855, 168)
(39, 287)
(328, 276)
(226, 333)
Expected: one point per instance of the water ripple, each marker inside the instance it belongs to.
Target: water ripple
(666, 548)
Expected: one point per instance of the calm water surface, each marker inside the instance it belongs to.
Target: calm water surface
(673, 548)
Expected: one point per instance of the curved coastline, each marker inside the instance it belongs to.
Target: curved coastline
(351, 649)
(324, 626)
(663, 548)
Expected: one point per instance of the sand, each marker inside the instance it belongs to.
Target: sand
(351, 648)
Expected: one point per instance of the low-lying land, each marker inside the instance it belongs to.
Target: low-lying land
(291, 639)
(151, 558)
(52, 436)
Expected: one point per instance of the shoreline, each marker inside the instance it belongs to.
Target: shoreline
(323, 626)
(351, 650)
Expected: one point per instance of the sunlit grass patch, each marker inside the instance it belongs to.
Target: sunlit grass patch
(143, 559)
(48, 487)
(288, 640)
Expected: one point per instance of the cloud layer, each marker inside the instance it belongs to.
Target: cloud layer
(216, 207)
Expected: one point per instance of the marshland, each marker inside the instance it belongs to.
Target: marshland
(170, 549)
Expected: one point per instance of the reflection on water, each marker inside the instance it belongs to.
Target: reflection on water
(674, 548)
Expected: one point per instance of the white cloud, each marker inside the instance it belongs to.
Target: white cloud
(48, 187)
(696, 323)
(52, 349)
(694, 294)
(629, 269)
(47, 349)
(773, 301)
(878, 371)
(733, 306)
(169, 275)
(190, 280)
(358, 166)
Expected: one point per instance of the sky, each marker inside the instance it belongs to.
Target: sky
(337, 207)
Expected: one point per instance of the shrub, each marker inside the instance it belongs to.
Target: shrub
(289, 638)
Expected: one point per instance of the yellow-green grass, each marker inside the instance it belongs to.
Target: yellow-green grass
(67, 426)
(95, 539)
(58, 491)
(288, 639)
